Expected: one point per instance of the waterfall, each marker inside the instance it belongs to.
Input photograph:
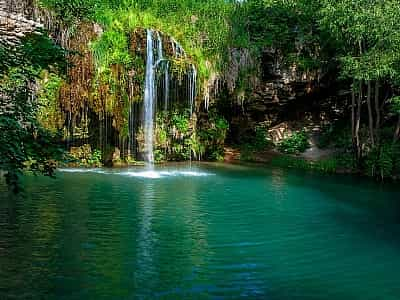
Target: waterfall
(159, 48)
(192, 88)
(166, 86)
(149, 97)
(156, 60)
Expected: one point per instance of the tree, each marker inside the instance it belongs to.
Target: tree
(23, 143)
(368, 32)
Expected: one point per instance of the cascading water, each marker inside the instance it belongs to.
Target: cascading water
(155, 60)
(159, 49)
(166, 86)
(192, 88)
(149, 96)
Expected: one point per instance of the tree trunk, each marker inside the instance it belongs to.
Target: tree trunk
(397, 131)
(377, 111)
(358, 118)
(353, 116)
(370, 116)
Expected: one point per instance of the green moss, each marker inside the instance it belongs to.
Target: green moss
(201, 27)
(111, 49)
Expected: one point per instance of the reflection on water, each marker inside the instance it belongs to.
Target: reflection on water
(203, 232)
(146, 238)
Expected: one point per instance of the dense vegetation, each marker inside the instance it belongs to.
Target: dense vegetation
(24, 143)
(358, 42)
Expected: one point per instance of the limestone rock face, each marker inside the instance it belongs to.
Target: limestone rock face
(16, 21)
(276, 92)
(281, 84)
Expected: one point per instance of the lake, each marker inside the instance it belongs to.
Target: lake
(206, 231)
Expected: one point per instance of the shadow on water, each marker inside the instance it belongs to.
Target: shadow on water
(382, 199)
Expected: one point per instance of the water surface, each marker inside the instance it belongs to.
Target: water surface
(205, 232)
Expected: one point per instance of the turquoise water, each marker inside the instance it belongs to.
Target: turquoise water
(206, 232)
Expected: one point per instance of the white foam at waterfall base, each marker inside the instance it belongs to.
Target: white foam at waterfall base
(150, 174)
(82, 170)
(161, 174)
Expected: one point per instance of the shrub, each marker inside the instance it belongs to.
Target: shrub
(159, 156)
(383, 161)
(324, 166)
(335, 135)
(181, 122)
(296, 143)
(212, 136)
(180, 152)
(346, 160)
(258, 141)
(95, 159)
